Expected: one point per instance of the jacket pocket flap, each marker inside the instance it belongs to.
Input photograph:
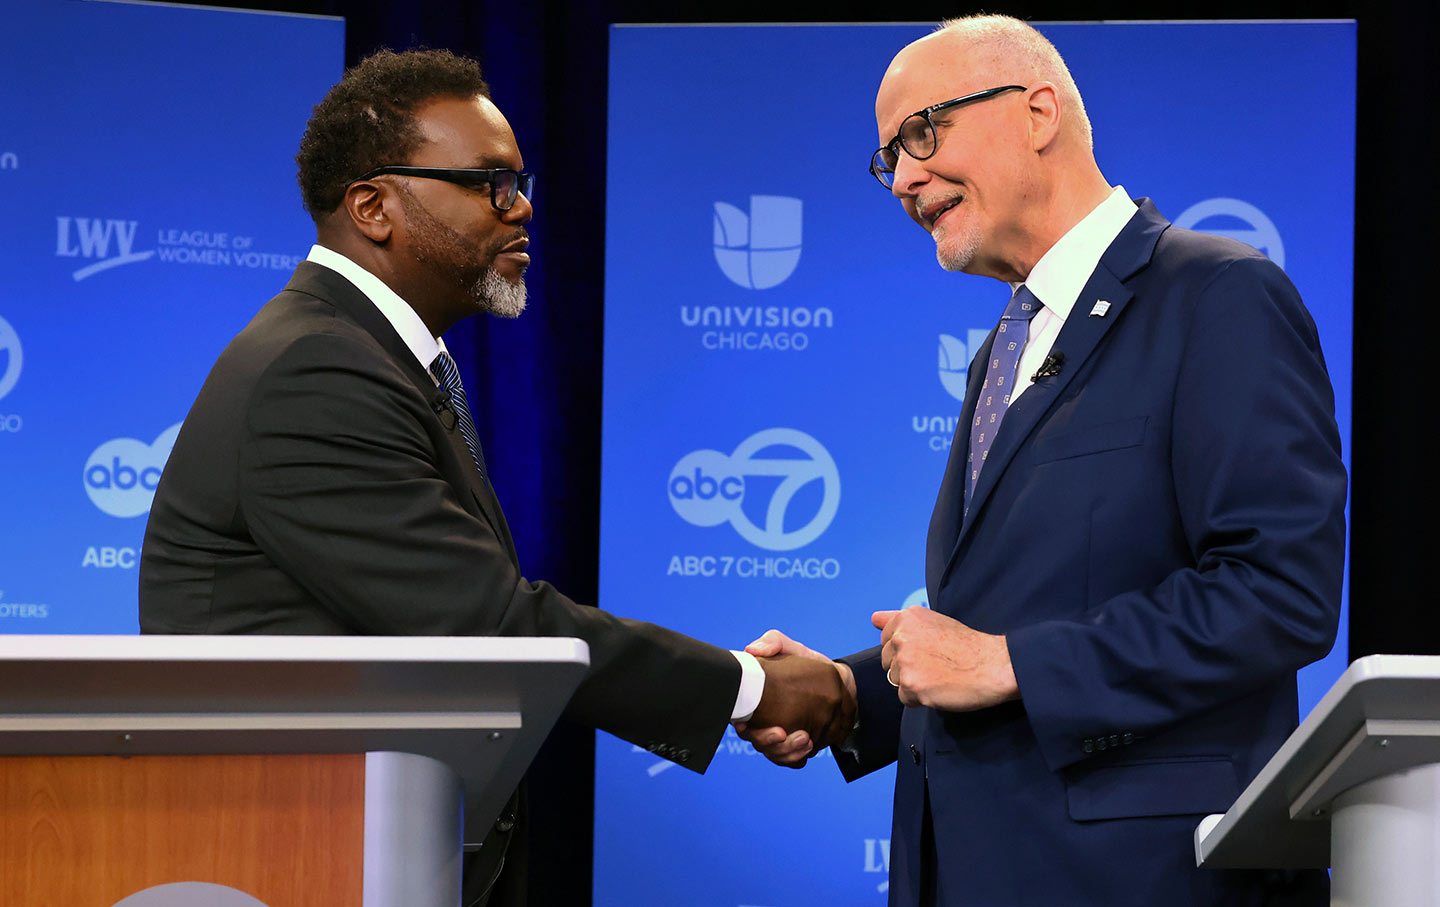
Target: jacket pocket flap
(1094, 439)
(1166, 788)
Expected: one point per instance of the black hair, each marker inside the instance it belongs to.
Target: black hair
(368, 119)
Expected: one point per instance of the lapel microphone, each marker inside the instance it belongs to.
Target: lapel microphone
(1049, 368)
(443, 409)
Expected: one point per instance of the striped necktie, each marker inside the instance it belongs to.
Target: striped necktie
(444, 370)
(994, 399)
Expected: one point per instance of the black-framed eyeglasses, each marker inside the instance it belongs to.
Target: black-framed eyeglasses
(917, 136)
(505, 184)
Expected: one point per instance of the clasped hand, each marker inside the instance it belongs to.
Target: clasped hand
(932, 661)
(809, 694)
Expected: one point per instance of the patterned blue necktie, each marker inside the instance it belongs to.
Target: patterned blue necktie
(444, 370)
(1005, 352)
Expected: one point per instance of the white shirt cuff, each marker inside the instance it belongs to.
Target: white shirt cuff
(752, 686)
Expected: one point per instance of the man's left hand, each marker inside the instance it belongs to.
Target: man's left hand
(938, 662)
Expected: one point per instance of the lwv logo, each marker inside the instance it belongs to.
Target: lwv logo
(94, 238)
(877, 859)
(758, 250)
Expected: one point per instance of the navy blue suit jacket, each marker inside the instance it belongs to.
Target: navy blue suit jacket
(1159, 531)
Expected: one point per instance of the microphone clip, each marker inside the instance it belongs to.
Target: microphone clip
(1049, 368)
(441, 405)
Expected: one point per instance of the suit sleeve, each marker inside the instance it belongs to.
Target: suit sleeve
(1260, 489)
(877, 736)
(339, 485)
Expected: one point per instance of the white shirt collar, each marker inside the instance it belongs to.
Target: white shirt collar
(1061, 273)
(396, 310)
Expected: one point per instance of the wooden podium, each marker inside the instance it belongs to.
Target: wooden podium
(303, 771)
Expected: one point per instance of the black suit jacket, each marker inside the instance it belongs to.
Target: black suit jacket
(315, 489)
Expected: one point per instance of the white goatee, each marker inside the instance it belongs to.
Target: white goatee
(498, 296)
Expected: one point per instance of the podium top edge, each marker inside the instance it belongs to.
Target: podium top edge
(1372, 666)
(196, 648)
(1363, 674)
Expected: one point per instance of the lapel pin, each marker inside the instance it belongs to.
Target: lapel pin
(1100, 309)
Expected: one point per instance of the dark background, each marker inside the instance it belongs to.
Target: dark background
(535, 383)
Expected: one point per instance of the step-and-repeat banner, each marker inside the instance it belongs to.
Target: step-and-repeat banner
(784, 364)
(147, 166)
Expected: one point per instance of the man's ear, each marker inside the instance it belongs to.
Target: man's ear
(1044, 109)
(371, 207)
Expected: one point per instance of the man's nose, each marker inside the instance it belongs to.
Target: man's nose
(520, 212)
(910, 174)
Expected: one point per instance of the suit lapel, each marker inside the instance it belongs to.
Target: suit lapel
(325, 284)
(1078, 340)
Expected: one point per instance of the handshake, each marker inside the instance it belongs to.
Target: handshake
(809, 701)
(932, 661)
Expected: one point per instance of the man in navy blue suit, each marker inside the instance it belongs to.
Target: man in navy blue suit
(1139, 537)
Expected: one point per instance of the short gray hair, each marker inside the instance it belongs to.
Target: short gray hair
(1012, 43)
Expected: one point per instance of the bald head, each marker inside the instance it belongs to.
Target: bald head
(998, 178)
(999, 50)
(1004, 41)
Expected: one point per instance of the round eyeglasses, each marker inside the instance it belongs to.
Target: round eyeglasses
(505, 184)
(917, 135)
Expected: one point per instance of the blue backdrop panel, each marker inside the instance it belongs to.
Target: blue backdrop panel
(147, 167)
(784, 362)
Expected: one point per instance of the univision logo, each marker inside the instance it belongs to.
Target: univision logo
(11, 358)
(122, 474)
(758, 250)
(1259, 230)
(955, 360)
(708, 488)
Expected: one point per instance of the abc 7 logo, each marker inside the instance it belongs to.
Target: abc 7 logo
(708, 488)
(121, 475)
(11, 357)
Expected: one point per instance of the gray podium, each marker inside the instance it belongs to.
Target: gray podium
(446, 726)
(1355, 788)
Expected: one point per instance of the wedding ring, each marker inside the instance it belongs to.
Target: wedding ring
(891, 679)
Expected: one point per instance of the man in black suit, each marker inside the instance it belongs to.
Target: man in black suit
(328, 479)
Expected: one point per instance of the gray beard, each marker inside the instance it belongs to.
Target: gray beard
(498, 296)
(958, 259)
(441, 247)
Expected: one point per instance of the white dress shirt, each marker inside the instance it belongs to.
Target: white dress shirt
(426, 347)
(1060, 275)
